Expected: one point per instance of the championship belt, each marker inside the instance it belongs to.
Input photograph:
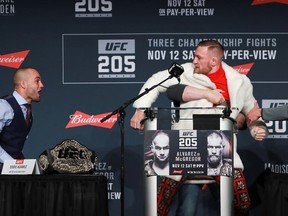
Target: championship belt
(68, 157)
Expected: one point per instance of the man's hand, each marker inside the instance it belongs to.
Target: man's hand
(136, 119)
(214, 96)
(254, 114)
(259, 133)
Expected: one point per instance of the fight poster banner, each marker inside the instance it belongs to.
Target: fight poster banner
(188, 152)
(131, 58)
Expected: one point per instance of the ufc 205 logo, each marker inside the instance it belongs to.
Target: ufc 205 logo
(277, 129)
(116, 58)
(93, 6)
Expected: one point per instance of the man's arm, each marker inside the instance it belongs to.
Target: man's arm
(6, 114)
(258, 129)
(254, 114)
(185, 93)
(269, 114)
(148, 99)
(274, 114)
(182, 93)
(4, 155)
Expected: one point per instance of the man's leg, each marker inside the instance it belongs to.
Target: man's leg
(166, 192)
(188, 199)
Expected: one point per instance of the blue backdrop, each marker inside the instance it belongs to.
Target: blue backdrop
(94, 55)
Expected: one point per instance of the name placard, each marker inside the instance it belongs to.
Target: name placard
(20, 167)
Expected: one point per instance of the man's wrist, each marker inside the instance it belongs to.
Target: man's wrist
(140, 110)
(261, 113)
(206, 93)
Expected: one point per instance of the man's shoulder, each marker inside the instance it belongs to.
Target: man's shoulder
(148, 162)
(188, 69)
(187, 65)
(227, 161)
(6, 97)
(3, 102)
(148, 167)
(6, 110)
(8, 100)
(233, 74)
(229, 69)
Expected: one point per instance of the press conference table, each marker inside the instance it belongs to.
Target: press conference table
(53, 195)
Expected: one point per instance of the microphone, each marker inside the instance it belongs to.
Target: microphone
(175, 71)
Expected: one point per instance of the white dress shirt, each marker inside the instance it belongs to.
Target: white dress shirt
(6, 117)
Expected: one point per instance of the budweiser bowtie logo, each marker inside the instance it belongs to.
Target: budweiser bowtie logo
(177, 171)
(244, 69)
(79, 119)
(13, 60)
(257, 2)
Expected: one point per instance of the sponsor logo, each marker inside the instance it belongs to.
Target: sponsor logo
(93, 8)
(7, 8)
(19, 161)
(13, 60)
(244, 69)
(277, 129)
(79, 119)
(177, 171)
(257, 2)
(116, 59)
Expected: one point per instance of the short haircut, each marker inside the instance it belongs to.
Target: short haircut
(212, 45)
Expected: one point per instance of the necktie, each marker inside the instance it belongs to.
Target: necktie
(28, 114)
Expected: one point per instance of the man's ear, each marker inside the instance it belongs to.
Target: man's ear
(213, 61)
(23, 84)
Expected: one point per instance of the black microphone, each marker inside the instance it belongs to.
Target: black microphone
(176, 70)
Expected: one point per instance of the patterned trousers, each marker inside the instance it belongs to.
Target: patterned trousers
(168, 188)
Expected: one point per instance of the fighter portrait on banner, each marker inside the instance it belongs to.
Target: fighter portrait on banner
(193, 152)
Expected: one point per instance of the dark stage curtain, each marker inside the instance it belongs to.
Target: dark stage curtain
(275, 195)
(53, 195)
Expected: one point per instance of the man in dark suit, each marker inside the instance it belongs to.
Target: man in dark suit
(15, 113)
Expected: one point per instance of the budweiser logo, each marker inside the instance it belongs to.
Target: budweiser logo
(13, 60)
(244, 69)
(257, 2)
(79, 119)
(177, 171)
